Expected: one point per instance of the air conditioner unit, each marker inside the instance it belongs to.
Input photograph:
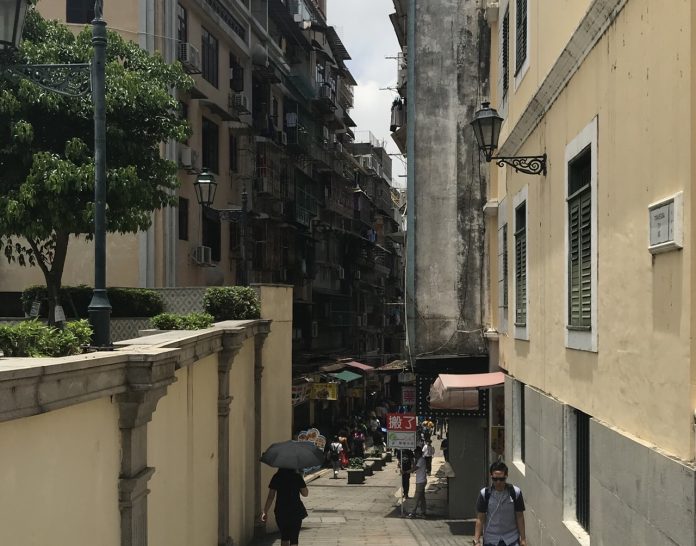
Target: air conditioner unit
(202, 255)
(325, 92)
(315, 329)
(190, 58)
(239, 102)
(185, 156)
(339, 147)
(357, 275)
(341, 273)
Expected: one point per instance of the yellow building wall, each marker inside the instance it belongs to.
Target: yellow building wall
(242, 457)
(276, 418)
(121, 16)
(641, 377)
(59, 476)
(182, 446)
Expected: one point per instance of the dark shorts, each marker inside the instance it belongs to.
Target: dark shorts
(290, 530)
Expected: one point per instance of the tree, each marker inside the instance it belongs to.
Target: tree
(47, 148)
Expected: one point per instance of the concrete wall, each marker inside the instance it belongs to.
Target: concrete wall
(59, 473)
(638, 495)
(467, 455)
(449, 193)
(156, 442)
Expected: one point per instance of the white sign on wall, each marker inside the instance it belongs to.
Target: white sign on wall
(666, 224)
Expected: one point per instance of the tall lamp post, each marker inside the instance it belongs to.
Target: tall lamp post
(73, 80)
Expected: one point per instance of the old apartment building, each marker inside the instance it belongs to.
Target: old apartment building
(298, 201)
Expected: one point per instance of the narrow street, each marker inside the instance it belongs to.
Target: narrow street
(370, 513)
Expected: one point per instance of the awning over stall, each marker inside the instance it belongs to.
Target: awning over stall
(461, 391)
(346, 376)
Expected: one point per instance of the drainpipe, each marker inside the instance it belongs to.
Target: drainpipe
(410, 179)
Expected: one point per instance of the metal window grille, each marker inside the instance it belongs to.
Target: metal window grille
(521, 265)
(582, 470)
(520, 34)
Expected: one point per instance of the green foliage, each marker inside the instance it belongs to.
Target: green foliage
(355, 462)
(47, 146)
(173, 321)
(33, 338)
(232, 303)
(125, 302)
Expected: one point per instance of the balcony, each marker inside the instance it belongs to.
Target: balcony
(325, 98)
(298, 139)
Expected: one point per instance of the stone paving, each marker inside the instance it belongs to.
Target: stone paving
(370, 513)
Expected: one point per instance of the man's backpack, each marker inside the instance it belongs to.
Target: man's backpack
(333, 451)
(512, 491)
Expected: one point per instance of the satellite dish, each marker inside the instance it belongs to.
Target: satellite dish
(259, 56)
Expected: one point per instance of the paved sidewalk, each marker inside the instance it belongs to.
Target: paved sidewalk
(370, 513)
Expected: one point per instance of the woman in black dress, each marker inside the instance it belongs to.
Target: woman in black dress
(289, 510)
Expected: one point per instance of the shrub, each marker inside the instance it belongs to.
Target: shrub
(355, 462)
(125, 302)
(232, 303)
(33, 338)
(172, 321)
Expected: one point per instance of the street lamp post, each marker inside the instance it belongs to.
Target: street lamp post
(99, 308)
(72, 80)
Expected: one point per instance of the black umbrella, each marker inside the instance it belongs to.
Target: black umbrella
(293, 454)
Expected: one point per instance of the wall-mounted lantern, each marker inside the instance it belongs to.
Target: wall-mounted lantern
(486, 125)
(205, 187)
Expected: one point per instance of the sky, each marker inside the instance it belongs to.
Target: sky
(366, 31)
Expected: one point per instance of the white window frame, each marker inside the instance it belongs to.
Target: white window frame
(570, 455)
(520, 74)
(574, 339)
(521, 332)
(503, 277)
(518, 422)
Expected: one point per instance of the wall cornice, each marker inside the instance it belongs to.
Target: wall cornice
(600, 15)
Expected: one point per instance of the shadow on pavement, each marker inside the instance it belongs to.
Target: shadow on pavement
(462, 527)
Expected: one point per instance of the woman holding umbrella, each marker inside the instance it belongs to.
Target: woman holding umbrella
(287, 484)
(289, 511)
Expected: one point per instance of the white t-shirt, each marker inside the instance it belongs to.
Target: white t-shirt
(428, 450)
(421, 471)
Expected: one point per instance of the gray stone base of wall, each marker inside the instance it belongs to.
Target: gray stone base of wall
(637, 494)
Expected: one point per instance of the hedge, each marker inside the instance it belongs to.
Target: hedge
(173, 321)
(34, 338)
(232, 303)
(125, 302)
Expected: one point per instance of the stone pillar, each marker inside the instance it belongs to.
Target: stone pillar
(146, 381)
(231, 344)
(258, 373)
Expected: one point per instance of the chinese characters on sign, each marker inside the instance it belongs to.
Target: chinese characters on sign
(408, 396)
(401, 430)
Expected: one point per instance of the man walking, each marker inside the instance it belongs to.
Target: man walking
(335, 450)
(500, 512)
(428, 452)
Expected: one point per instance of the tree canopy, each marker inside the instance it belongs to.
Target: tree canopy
(47, 146)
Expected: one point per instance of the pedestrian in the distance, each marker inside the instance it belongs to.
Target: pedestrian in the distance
(406, 464)
(500, 512)
(428, 452)
(335, 450)
(421, 480)
(444, 445)
(289, 511)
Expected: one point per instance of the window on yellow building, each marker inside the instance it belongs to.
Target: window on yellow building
(505, 47)
(520, 34)
(79, 11)
(580, 241)
(521, 265)
(209, 56)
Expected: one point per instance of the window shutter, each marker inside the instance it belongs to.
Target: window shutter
(520, 34)
(580, 258)
(521, 277)
(505, 267)
(505, 47)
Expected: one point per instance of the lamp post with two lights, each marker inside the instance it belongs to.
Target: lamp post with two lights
(73, 80)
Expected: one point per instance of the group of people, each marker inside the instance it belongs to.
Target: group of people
(499, 506)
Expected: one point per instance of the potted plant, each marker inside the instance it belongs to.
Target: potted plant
(356, 472)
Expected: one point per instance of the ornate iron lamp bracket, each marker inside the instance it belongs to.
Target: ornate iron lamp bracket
(528, 164)
(72, 80)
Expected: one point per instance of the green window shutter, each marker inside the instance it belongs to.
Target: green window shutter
(580, 260)
(505, 267)
(521, 277)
